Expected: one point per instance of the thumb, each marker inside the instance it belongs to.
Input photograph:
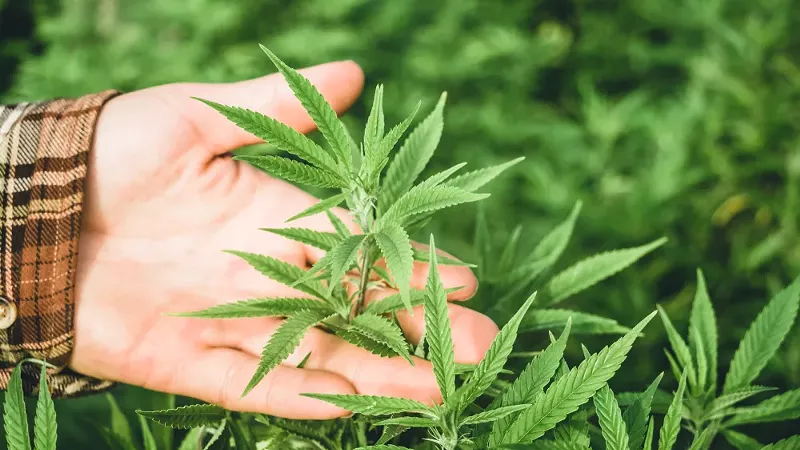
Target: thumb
(339, 82)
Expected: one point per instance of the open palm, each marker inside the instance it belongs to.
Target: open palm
(163, 200)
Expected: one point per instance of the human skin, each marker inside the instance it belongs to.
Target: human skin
(163, 200)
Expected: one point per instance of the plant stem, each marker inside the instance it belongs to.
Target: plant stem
(365, 272)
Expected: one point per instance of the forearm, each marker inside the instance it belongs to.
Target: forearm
(44, 151)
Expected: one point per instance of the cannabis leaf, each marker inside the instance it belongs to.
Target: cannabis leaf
(720, 406)
(319, 239)
(610, 417)
(294, 171)
(190, 416)
(592, 270)
(339, 259)
(321, 206)
(394, 302)
(15, 417)
(672, 421)
(547, 319)
(791, 443)
(283, 342)
(472, 181)
(532, 380)
(396, 248)
(45, 428)
(679, 346)
(763, 338)
(412, 157)
(741, 441)
(375, 122)
(383, 331)
(423, 198)
(492, 415)
(320, 111)
(409, 422)
(373, 405)
(566, 394)
(283, 272)
(785, 406)
(637, 414)
(437, 329)
(376, 160)
(494, 360)
(278, 134)
(703, 335)
(258, 307)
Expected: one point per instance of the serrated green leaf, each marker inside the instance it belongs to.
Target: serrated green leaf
(372, 405)
(785, 406)
(306, 431)
(216, 435)
(412, 157)
(341, 229)
(321, 206)
(394, 302)
(592, 270)
(574, 430)
(375, 122)
(703, 440)
(472, 181)
(763, 338)
(45, 428)
(384, 331)
(396, 249)
(390, 432)
(258, 307)
(192, 439)
(319, 239)
(377, 159)
(278, 134)
(492, 363)
(318, 108)
(790, 443)
(341, 257)
(294, 171)
(549, 249)
(679, 347)
(492, 415)
(672, 421)
(283, 272)
(531, 381)
(410, 422)
(186, 417)
(422, 199)
(424, 256)
(147, 436)
(637, 414)
(741, 441)
(283, 342)
(582, 323)
(648, 440)
(438, 330)
(571, 391)
(609, 417)
(722, 404)
(703, 336)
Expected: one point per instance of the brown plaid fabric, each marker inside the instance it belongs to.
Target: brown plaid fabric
(43, 161)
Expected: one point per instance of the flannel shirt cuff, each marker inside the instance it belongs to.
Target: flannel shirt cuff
(44, 150)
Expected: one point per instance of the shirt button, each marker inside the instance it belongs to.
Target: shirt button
(8, 313)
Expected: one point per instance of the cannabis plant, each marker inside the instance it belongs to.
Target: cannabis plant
(711, 407)
(508, 270)
(15, 415)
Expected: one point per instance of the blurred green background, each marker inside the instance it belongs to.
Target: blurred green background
(670, 118)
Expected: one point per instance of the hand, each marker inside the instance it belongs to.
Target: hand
(163, 200)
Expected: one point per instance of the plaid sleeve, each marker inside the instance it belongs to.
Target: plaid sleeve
(43, 161)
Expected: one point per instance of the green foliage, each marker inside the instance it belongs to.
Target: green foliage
(609, 417)
(15, 416)
(190, 416)
(437, 331)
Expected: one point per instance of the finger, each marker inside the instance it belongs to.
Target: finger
(368, 373)
(220, 375)
(340, 83)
